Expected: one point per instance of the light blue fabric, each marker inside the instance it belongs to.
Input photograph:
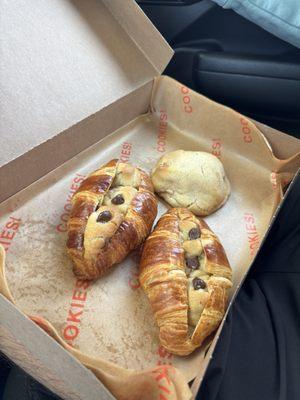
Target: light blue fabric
(280, 17)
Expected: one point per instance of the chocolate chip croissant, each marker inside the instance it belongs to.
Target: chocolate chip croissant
(186, 275)
(112, 213)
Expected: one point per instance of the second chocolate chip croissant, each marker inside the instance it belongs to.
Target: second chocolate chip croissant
(112, 213)
(186, 275)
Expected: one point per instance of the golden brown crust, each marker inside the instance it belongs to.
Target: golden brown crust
(95, 247)
(164, 279)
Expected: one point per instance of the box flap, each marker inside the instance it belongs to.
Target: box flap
(64, 60)
(141, 30)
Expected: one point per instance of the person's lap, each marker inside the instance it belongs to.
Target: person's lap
(280, 17)
(258, 354)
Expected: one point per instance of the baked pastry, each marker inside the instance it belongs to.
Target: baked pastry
(192, 179)
(112, 213)
(186, 275)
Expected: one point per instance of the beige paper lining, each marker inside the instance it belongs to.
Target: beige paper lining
(108, 324)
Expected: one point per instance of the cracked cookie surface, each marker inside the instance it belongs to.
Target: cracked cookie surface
(112, 213)
(192, 179)
(186, 276)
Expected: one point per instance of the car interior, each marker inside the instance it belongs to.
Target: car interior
(227, 58)
(231, 60)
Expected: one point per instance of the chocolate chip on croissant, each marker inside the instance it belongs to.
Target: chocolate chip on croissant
(112, 213)
(186, 277)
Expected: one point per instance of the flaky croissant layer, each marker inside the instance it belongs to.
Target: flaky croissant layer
(112, 213)
(186, 276)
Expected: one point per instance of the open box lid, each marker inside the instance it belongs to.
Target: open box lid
(61, 62)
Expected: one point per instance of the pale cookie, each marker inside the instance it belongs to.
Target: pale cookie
(192, 179)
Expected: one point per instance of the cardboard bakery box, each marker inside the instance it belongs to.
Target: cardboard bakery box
(80, 85)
